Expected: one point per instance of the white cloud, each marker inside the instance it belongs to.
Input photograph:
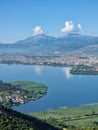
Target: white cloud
(70, 27)
(38, 30)
(66, 70)
(79, 27)
(38, 69)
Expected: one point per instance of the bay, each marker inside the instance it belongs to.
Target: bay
(64, 89)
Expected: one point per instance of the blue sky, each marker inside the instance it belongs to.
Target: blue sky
(18, 18)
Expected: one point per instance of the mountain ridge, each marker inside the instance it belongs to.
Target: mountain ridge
(44, 44)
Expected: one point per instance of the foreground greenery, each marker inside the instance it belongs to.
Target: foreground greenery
(19, 92)
(79, 118)
(12, 120)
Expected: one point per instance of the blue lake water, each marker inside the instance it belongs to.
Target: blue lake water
(64, 90)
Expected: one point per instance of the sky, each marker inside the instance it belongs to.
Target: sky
(20, 19)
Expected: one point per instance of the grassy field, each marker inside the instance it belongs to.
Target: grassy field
(72, 118)
(30, 86)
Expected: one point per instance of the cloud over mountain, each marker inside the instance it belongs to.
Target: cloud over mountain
(70, 27)
(37, 30)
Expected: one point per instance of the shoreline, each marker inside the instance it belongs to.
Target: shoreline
(75, 70)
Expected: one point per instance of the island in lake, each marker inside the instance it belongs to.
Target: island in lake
(20, 92)
(84, 70)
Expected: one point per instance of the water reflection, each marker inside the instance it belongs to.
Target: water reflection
(38, 69)
(66, 70)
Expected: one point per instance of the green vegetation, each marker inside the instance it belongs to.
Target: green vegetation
(86, 70)
(19, 92)
(79, 118)
(12, 120)
(37, 89)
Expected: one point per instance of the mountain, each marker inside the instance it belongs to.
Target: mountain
(90, 49)
(13, 120)
(43, 44)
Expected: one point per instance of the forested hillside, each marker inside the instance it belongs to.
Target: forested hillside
(12, 120)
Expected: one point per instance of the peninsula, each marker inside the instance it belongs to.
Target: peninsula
(20, 92)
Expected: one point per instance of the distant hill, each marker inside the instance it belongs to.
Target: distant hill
(43, 44)
(12, 120)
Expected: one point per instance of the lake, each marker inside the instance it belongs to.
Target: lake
(64, 89)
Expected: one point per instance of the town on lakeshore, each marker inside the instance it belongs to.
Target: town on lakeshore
(83, 62)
